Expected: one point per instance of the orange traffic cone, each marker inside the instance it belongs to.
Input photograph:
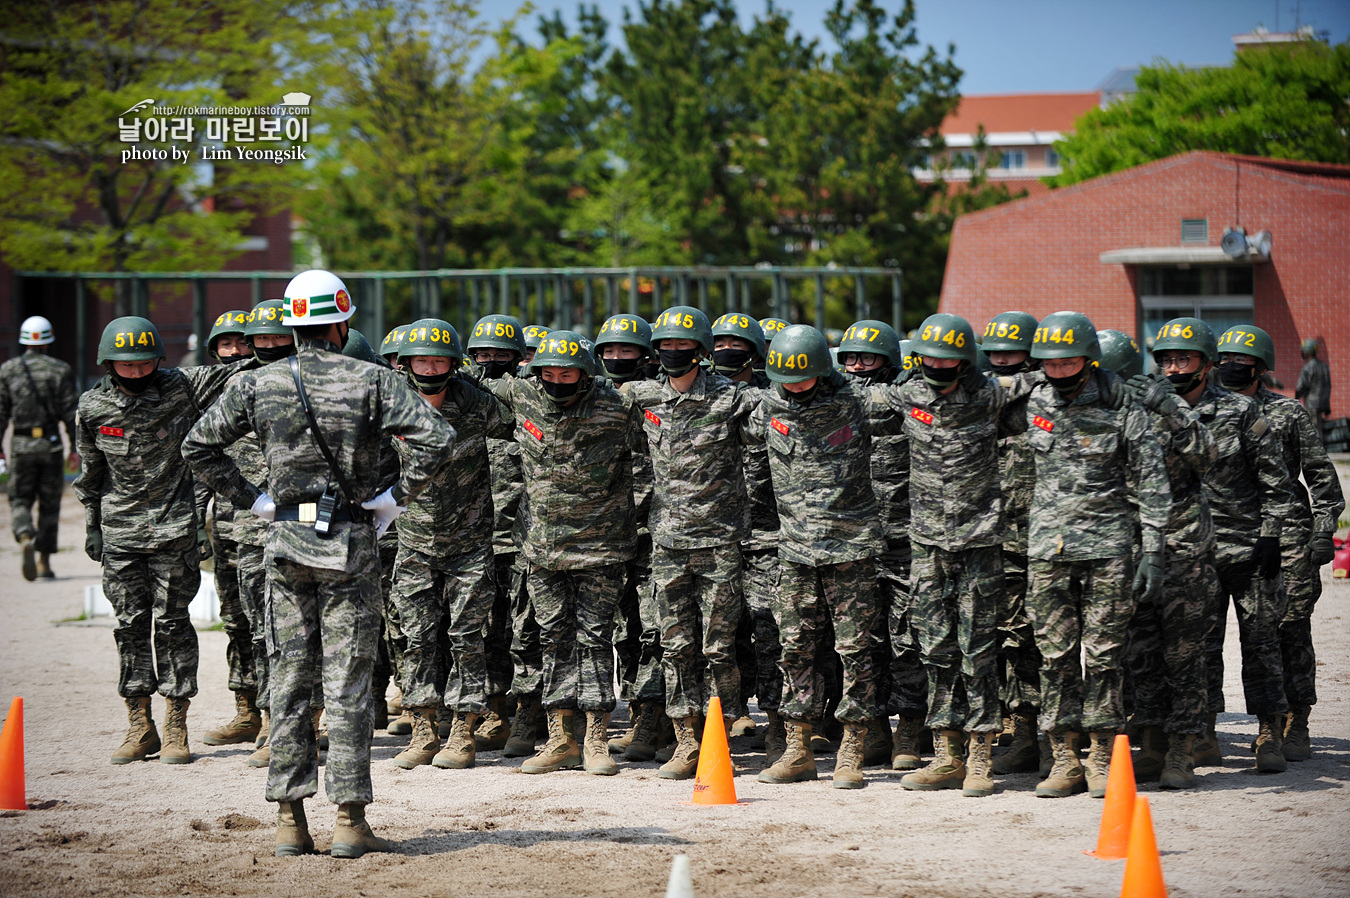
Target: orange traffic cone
(11, 760)
(1113, 841)
(713, 781)
(1143, 871)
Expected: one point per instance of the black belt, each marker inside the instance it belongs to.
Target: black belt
(37, 433)
(308, 513)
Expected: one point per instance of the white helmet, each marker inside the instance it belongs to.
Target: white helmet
(35, 331)
(316, 297)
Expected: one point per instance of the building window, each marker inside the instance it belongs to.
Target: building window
(1051, 159)
(1195, 230)
(1012, 159)
(963, 160)
(1219, 295)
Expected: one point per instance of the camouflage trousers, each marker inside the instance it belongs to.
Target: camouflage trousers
(252, 576)
(36, 478)
(956, 602)
(1166, 654)
(150, 593)
(632, 643)
(233, 617)
(450, 597)
(526, 652)
(1019, 659)
(497, 631)
(1081, 608)
(1302, 588)
(810, 599)
(1260, 608)
(389, 653)
(322, 631)
(699, 601)
(902, 684)
(759, 584)
(575, 613)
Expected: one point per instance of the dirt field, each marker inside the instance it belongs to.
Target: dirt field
(204, 829)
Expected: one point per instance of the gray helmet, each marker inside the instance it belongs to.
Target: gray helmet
(798, 353)
(1066, 335)
(1120, 353)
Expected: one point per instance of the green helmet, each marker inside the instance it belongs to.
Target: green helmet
(1120, 353)
(1187, 334)
(563, 349)
(876, 337)
(497, 332)
(431, 336)
(358, 347)
(1008, 332)
(389, 345)
(227, 323)
(771, 327)
(798, 353)
(1308, 348)
(946, 336)
(1248, 339)
(266, 319)
(907, 357)
(742, 327)
(683, 323)
(534, 333)
(1066, 335)
(627, 329)
(130, 339)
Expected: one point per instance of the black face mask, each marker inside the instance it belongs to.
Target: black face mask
(621, 369)
(1187, 381)
(561, 393)
(876, 375)
(728, 362)
(494, 370)
(1009, 370)
(801, 398)
(1236, 376)
(651, 369)
(678, 362)
(267, 354)
(430, 384)
(134, 385)
(942, 377)
(1067, 386)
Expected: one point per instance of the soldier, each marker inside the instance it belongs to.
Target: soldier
(1006, 344)
(699, 516)
(144, 523)
(577, 435)
(226, 343)
(38, 393)
(1095, 464)
(950, 419)
(1314, 385)
(444, 575)
(870, 352)
(1245, 353)
(1166, 654)
(534, 333)
(389, 345)
(815, 422)
(319, 419)
(1250, 497)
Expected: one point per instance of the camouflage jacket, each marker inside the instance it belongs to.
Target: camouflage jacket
(247, 528)
(819, 459)
(1321, 499)
(133, 482)
(577, 462)
(1248, 487)
(453, 516)
(890, 461)
(1095, 465)
(507, 481)
(956, 493)
(694, 442)
(355, 404)
(642, 471)
(759, 485)
(1018, 469)
(1314, 386)
(1189, 451)
(52, 405)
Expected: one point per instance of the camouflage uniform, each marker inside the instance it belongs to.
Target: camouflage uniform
(37, 465)
(829, 537)
(1093, 463)
(444, 576)
(576, 517)
(637, 634)
(1319, 506)
(323, 612)
(1020, 659)
(759, 582)
(250, 533)
(1250, 496)
(138, 491)
(699, 516)
(1314, 389)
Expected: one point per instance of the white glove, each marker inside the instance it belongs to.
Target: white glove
(4, 465)
(264, 507)
(385, 508)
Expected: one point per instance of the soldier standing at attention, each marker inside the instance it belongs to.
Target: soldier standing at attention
(324, 592)
(145, 524)
(38, 393)
(1314, 385)
(1245, 353)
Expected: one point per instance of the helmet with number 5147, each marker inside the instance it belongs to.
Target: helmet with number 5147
(1066, 335)
(945, 336)
(876, 337)
(799, 352)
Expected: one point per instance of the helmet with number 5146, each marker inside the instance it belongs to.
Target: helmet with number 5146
(1066, 335)
(799, 352)
(945, 336)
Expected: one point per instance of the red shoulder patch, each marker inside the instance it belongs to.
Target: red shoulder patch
(779, 426)
(110, 431)
(919, 414)
(1043, 423)
(534, 430)
(651, 416)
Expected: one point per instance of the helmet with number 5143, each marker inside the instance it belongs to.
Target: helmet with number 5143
(799, 352)
(130, 339)
(1066, 335)
(945, 336)
(743, 327)
(1187, 334)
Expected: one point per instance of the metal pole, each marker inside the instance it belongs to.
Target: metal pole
(562, 294)
(656, 295)
(860, 296)
(632, 291)
(588, 305)
(730, 293)
(820, 301)
(703, 295)
(745, 295)
(611, 296)
(896, 308)
(81, 331)
(199, 324)
(256, 285)
(504, 297)
(473, 299)
(377, 307)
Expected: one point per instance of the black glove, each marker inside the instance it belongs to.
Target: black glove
(1148, 577)
(973, 378)
(93, 544)
(1155, 393)
(1267, 556)
(1321, 549)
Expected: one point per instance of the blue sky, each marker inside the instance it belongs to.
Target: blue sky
(1019, 46)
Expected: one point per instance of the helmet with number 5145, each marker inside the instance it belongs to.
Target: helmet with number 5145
(799, 352)
(1066, 335)
(683, 323)
(130, 339)
(945, 336)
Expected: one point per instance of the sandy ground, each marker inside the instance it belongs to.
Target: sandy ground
(204, 829)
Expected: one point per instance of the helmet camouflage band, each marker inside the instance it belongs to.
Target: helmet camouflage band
(534, 333)
(798, 353)
(1248, 339)
(316, 297)
(1120, 353)
(431, 336)
(1066, 335)
(266, 318)
(742, 327)
(1187, 334)
(1008, 332)
(946, 336)
(130, 339)
(683, 323)
(876, 337)
(497, 332)
(35, 331)
(627, 329)
(564, 349)
(226, 323)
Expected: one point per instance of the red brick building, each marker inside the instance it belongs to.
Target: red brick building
(1138, 247)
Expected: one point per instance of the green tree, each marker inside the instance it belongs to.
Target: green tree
(1286, 101)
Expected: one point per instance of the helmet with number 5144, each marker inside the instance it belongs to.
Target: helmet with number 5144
(1066, 335)
(945, 336)
(799, 352)
(130, 339)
